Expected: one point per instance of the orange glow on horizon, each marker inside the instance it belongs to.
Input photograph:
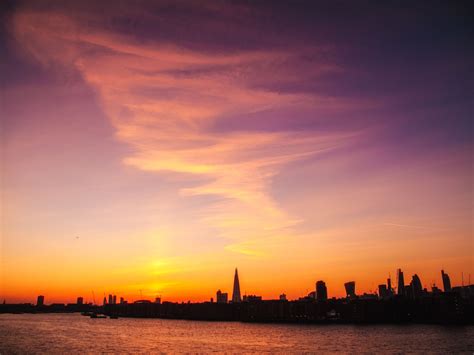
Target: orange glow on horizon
(143, 168)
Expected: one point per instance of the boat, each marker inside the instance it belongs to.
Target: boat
(95, 315)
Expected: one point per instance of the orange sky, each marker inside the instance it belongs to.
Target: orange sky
(146, 162)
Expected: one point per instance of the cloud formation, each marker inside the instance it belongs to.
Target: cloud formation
(166, 102)
(306, 132)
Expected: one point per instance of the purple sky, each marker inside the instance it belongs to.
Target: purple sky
(193, 134)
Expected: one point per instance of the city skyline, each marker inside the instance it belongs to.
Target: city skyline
(382, 291)
(147, 149)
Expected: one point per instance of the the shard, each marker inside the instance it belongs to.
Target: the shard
(236, 292)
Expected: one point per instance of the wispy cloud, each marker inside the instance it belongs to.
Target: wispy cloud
(165, 103)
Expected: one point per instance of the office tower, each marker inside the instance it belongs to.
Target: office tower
(283, 297)
(80, 301)
(40, 301)
(321, 291)
(104, 301)
(389, 287)
(383, 292)
(221, 297)
(417, 289)
(122, 300)
(446, 281)
(110, 299)
(350, 289)
(114, 299)
(158, 300)
(401, 283)
(236, 292)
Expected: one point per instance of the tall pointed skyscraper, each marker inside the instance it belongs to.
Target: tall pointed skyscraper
(236, 292)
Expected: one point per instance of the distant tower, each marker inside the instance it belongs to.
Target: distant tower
(40, 301)
(417, 289)
(80, 301)
(401, 283)
(446, 281)
(236, 292)
(221, 297)
(321, 291)
(350, 289)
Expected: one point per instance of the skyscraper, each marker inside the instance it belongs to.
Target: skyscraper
(321, 291)
(389, 287)
(40, 300)
(221, 297)
(417, 289)
(236, 292)
(446, 281)
(401, 283)
(350, 288)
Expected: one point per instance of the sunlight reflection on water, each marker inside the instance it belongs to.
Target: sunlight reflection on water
(60, 333)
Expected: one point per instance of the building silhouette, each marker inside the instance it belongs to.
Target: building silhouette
(389, 287)
(236, 291)
(252, 298)
(283, 297)
(80, 301)
(40, 301)
(401, 283)
(321, 291)
(416, 287)
(350, 289)
(446, 281)
(221, 297)
(383, 292)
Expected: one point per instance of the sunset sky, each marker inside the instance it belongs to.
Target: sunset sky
(150, 147)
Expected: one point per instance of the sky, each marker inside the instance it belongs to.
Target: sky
(150, 147)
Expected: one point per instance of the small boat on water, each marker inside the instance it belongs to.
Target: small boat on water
(95, 315)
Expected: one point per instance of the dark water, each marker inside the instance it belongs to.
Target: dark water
(73, 333)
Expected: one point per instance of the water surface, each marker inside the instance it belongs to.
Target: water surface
(73, 333)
